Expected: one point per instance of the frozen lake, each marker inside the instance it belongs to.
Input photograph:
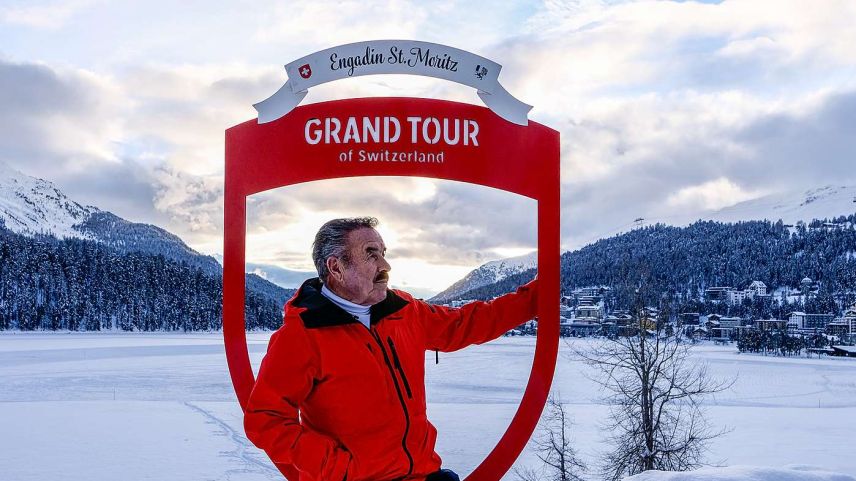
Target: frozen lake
(161, 407)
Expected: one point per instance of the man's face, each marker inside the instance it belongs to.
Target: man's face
(366, 272)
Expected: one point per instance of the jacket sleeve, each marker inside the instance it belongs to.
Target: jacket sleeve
(271, 421)
(449, 329)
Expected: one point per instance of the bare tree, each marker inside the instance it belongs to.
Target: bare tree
(654, 391)
(553, 446)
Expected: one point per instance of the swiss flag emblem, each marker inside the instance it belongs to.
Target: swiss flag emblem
(305, 71)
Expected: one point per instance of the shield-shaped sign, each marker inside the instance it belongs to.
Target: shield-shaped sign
(497, 147)
(515, 158)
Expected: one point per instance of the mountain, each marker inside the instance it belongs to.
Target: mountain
(31, 206)
(34, 207)
(791, 207)
(82, 285)
(672, 266)
(489, 273)
(282, 277)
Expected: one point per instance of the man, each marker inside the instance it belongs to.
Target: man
(340, 394)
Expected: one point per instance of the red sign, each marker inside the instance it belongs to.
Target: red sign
(399, 137)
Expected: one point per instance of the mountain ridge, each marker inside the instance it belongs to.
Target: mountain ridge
(31, 206)
(792, 207)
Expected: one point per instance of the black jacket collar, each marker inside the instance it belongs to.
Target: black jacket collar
(321, 312)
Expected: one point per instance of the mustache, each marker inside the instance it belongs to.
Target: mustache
(382, 277)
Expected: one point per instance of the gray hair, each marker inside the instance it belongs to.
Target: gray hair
(332, 241)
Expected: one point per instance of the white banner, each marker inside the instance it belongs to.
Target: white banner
(393, 57)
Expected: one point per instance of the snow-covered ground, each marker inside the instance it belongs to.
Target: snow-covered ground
(161, 407)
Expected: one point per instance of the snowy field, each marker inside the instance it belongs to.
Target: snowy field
(161, 407)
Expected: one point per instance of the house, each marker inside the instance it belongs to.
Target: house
(697, 332)
(710, 321)
(757, 288)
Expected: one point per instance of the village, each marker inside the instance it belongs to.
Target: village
(583, 313)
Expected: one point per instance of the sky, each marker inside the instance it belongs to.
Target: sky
(666, 109)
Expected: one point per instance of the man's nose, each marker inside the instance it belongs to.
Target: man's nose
(384, 265)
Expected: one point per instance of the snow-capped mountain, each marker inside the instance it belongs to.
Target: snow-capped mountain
(791, 207)
(32, 206)
(287, 278)
(489, 273)
(826, 202)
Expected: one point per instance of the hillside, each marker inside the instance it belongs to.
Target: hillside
(82, 285)
(31, 207)
(681, 262)
(487, 274)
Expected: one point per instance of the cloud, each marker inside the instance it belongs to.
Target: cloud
(194, 201)
(710, 195)
(323, 22)
(50, 116)
(448, 222)
(665, 109)
(44, 16)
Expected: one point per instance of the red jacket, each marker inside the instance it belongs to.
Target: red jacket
(339, 401)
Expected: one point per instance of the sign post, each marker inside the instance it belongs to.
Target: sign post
(396, 137)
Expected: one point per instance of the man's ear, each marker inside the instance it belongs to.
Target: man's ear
(334, 269)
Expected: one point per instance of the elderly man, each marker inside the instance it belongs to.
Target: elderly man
(341, 393)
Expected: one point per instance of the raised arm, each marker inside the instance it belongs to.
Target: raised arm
(449, 329)
(271, 421)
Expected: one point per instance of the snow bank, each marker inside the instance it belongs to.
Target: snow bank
(746, 473)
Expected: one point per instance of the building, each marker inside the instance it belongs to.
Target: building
(851, 312)
(589, 312)
(848, 351)
(723, 327)
(581, 328)
(771, 324)
(804, 322)
(689, 318)
(460, 302)
(757, 288)
(735, 297)
(844, 326)
(839, 327)
(588, 300)
(730, 322)
(717, 294)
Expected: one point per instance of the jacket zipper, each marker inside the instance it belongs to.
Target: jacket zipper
(397, 362)
(400, 399)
